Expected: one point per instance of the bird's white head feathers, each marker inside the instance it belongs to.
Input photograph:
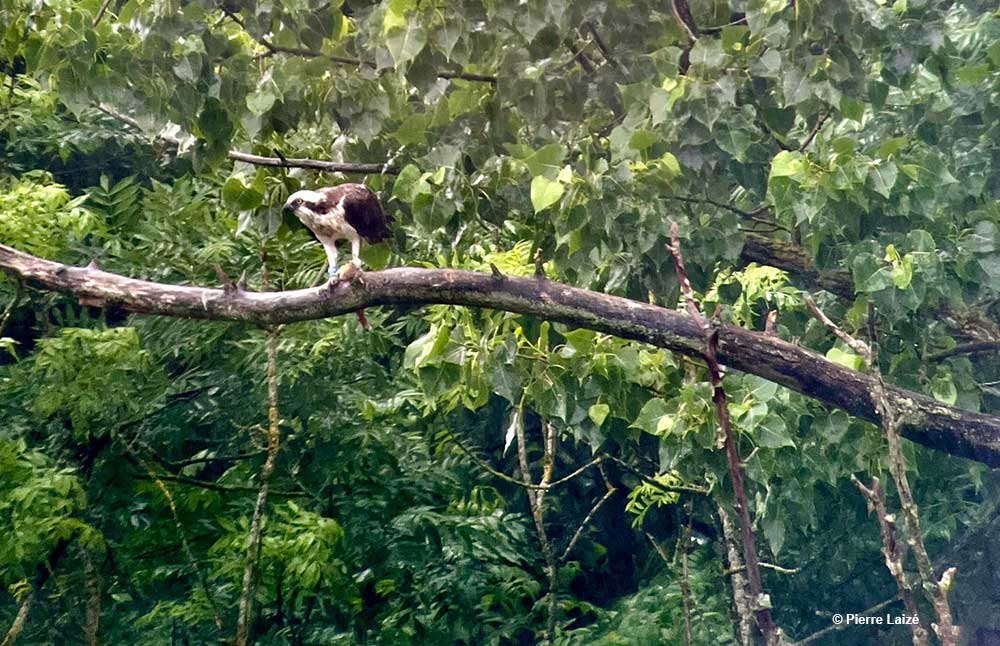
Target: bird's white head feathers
(303, 200)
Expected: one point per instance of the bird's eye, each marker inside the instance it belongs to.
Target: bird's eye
(297, 202)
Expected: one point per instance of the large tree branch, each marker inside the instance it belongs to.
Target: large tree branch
(926, 421)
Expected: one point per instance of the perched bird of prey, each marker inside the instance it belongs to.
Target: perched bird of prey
(347, 212)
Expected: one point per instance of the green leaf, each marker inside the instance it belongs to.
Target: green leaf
(993, 52)
(395, 14)
(214, 124)
(891, 146)
(545, 192)
(877, 93)
(869, 274)
(650, 415)
(852, 109)
(240, 196)
(410, 183)
(598, 413)
(188, 68)
(774, 531)
(426, 349)
(991, 266)
(659, 106)
(772, 433)
(734, 37)
(883, 177)
(780, 120)
(983, 238)
(787, 164)
(845, 358)
(547, 160)
(642, 139)
(943, 389)
(973, 74)
(707, 53)
(405, 43)
(260, 102)
(667, 165)
(413, 131)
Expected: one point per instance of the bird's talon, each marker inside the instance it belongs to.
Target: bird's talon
(349, 272)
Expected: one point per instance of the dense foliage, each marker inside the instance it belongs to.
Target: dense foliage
(862, 134)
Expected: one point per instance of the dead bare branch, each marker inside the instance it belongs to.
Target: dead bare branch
(760, 601)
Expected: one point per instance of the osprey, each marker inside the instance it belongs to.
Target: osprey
(346, 212)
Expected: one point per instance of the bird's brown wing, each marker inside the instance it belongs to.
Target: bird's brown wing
(361, 210)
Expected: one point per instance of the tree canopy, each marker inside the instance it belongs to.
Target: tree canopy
(544, 438)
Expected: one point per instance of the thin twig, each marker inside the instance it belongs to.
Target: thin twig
(655, 483)
(43, 572)
(752, 216)
(255, 535)
(536, 501)
(769, 566)
(120, 116)
(761, 605)
(835, 627)
(659, 548)
(743, 626)
(222, 488)
(315, 164)
(685, 580)
(219, 458)
(966, 348)
(514, 481)
(273, 49)
(935, 590)
(92, 611)
(859, 347)
(273, 162)
(101, 12)
(682, 12)
(9, 309)
(20, 619)
(586, 521)
(816, 128)
(894, 553)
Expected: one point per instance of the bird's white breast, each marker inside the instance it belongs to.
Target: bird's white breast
(330, 226)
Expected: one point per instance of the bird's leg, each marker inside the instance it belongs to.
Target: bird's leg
(331, 260)
(352, 270)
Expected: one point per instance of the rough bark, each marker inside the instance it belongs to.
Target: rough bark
(42, 574)
(92, 621)
(741, 604)
(926, 421)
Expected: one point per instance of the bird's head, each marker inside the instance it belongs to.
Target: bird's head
(303, 203)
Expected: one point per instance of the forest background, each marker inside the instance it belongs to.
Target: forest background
(511, 462)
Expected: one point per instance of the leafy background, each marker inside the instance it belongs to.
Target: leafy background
(862, 133)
